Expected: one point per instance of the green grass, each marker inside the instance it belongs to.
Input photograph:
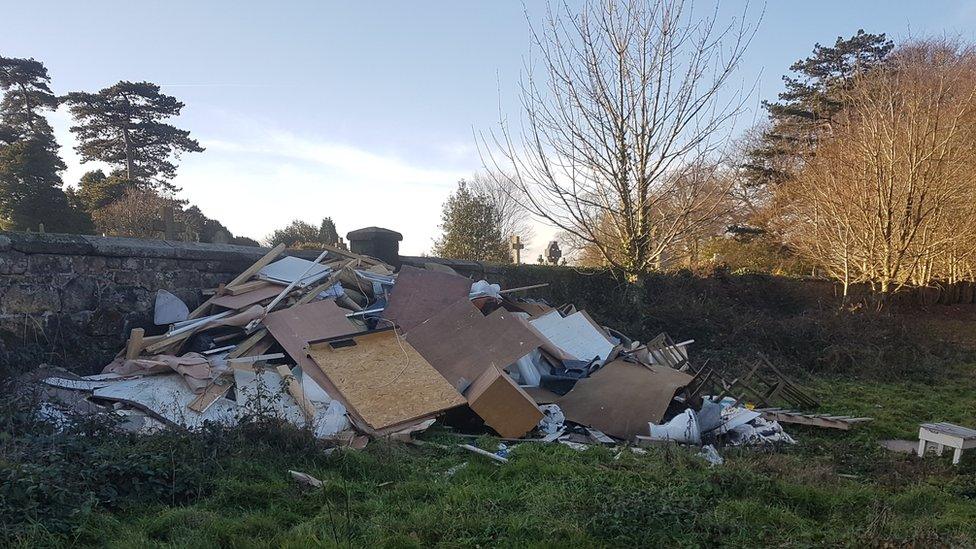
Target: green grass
(833, 488)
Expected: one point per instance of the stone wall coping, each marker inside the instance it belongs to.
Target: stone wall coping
(111, 246)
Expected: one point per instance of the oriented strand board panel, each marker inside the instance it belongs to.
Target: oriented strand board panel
(420, 294)
(504, 406)
(384, 379)
(461, 343)
(245, 300)
(295, 326)
(621, 398)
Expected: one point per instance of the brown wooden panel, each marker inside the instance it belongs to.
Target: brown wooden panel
(461, 343)
(621, 398)
(420, 294)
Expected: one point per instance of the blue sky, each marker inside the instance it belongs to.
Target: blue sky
(364, 111)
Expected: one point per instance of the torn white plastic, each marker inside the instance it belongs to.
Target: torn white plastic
(168, 396)
(263, 393)
(711, 455)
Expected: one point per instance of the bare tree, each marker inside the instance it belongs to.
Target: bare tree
(889, 198)
(138, 213)
(515, 220)
(630, 97)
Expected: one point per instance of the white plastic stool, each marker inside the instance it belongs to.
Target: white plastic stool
(946, 434)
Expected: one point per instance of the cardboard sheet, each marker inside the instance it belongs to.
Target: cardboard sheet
(295, 326)
(419, 294)
(621, 398)
(383, 379)
(504, 406)
(575, 334)
(461, 343)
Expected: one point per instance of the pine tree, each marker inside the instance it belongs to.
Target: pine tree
(123, 125)
(811, 101)
(97, 190)
(30, 167)
(471, 228)
(328, 233)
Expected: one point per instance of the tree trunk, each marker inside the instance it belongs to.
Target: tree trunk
(128, 155)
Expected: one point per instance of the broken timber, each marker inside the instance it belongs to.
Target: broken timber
(844, 423)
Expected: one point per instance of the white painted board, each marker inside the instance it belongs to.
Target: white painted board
(287, 270)
(574, 334)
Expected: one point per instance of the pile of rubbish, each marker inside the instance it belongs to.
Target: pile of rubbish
(352, 350)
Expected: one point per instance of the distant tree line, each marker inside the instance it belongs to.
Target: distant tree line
(124, 126)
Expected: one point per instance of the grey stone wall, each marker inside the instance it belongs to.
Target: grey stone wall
(70, 299)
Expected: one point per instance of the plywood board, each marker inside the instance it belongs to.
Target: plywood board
(383, 379)
(575, 334)
(295, 326)
(621, 398)
(461, 343)
(419, 294)
(242, 301)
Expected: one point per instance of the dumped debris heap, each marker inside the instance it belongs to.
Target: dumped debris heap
(352, 350)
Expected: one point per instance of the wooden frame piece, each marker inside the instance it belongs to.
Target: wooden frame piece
(243, 277)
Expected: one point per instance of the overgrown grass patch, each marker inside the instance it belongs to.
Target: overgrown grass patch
(229, 487)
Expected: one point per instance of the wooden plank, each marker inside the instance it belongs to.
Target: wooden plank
(249, 286)
(246, 345)
(243, 277)
(254, 358)
(168, 342)
(842, 423)
(310, 295)
(295, 389)
(134, 345)
(214, 392)
(524, 288)
(384, 379)
(245, 300)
